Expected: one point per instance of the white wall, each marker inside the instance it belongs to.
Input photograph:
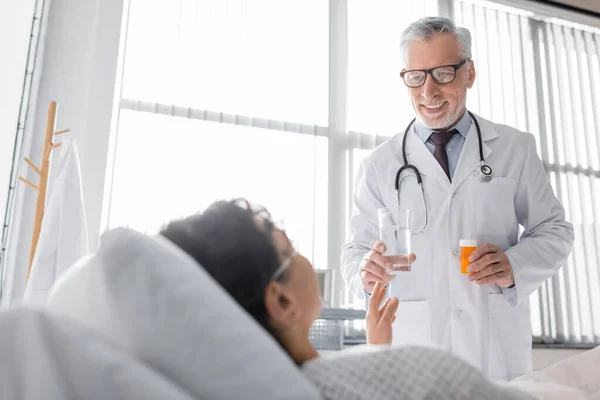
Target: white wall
(15, 27)
(80, 51)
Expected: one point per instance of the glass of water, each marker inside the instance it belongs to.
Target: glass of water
(395, 233)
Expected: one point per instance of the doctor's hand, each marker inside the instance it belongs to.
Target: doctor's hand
(489, 264)
(375, 266)
(379, 320)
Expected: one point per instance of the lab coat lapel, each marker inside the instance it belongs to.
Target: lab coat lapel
(419, 155)
(469, 159)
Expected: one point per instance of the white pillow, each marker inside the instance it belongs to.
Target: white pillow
(47, 357)
(147, 295)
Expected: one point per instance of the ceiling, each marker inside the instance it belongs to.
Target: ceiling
(586, 5)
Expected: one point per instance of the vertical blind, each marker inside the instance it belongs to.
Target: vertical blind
(239, 98)
(543, 76)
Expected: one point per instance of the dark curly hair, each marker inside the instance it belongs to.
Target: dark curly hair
(234, 248)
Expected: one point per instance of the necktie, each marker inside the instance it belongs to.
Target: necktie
(440, 139)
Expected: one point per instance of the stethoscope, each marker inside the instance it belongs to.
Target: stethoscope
(483, 173)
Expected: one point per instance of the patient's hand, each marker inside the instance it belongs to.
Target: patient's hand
(379, 320)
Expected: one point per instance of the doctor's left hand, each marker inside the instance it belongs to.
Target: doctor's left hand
(489, 264)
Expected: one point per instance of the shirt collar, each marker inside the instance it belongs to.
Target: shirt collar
(462, 126)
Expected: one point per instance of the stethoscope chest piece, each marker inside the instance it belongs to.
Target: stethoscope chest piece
(484, 173)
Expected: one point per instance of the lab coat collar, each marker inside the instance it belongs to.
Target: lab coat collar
(488, 130)
(469, 159)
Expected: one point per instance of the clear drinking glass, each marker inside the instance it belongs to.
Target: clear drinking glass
(396, 236)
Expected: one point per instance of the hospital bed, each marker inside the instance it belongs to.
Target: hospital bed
(140, 319)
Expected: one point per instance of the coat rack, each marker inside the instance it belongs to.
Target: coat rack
(43, 172)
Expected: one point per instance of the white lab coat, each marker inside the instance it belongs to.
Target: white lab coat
(484, 324)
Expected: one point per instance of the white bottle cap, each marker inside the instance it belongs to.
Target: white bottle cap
(468, 243)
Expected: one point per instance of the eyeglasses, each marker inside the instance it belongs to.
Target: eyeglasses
(284, 266)
(415, 78)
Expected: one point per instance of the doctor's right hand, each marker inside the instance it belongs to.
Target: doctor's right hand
(375, 266)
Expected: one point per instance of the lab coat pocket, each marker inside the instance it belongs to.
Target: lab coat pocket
(412, 324)
(495, 211)
(509, 345)
(499, 240)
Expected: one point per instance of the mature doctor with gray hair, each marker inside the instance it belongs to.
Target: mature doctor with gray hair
(479, 181)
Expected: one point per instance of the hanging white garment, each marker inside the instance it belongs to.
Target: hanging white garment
(63, 236)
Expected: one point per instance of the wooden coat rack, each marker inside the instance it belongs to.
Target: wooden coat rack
(43, 172)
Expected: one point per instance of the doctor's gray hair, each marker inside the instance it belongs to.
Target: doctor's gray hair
(425, 28)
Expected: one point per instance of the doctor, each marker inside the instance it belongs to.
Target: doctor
(482, 317)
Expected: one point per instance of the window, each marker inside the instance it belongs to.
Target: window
(263, 59)
(304, 89)
(223, 100)
(186, 164)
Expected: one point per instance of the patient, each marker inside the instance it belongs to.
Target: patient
(255, 262)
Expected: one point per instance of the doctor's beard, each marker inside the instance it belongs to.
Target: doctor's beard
(448, 119)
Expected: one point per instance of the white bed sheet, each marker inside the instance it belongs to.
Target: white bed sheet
(575, 378)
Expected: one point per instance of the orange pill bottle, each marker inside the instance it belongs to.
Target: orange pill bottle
(467, 246)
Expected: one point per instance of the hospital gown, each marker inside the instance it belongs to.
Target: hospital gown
(407, 373)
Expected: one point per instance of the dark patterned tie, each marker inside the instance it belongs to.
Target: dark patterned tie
(440, 140)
